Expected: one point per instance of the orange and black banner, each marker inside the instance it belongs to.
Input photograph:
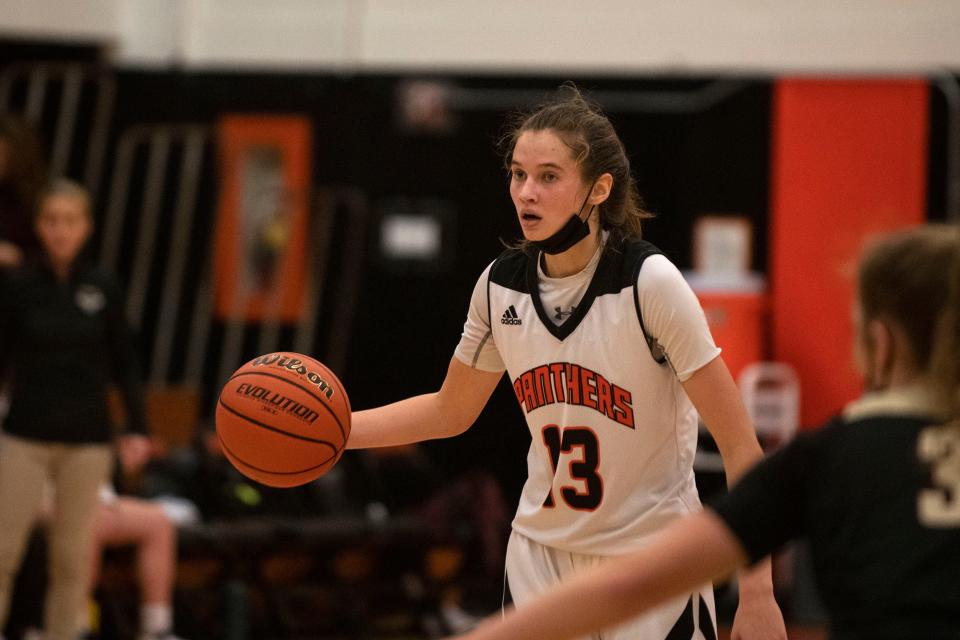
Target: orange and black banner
(262, 225)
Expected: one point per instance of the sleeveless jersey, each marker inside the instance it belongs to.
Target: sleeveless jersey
(613, 433)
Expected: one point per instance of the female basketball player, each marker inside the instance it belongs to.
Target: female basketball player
(63, 335)
(877, 491)
(606, 346)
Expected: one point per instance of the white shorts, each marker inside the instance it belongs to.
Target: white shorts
(533, 567)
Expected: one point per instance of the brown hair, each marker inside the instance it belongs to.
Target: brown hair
(911, 277)
(596, 148)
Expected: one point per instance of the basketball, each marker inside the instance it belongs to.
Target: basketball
(283, 419)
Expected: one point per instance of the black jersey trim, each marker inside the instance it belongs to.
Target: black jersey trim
(656, 350)
(683, 628)
(607, 279)
(509, 271)
(688, 622)
(618, 269)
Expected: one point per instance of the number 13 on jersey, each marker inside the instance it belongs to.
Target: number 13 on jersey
(577, 446)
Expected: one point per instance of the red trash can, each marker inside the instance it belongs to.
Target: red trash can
(736, 310)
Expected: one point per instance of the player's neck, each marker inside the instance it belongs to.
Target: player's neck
(60, 269)
(573, 260)
(898, 376)
(904, 376)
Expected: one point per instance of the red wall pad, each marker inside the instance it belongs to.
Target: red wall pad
(849, 160)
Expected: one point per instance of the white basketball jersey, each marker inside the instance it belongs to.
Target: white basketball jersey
(613, 433)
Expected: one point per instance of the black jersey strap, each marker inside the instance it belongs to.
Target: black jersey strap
(656, 349)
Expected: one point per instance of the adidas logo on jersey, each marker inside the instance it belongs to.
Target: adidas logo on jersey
(510, 316)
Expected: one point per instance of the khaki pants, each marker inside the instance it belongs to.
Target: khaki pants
(76, 473)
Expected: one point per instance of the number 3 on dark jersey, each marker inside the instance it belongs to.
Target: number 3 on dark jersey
(580, 442)
(939, 505)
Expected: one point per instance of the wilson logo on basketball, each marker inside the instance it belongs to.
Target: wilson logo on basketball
(274, 401)
(295, 365)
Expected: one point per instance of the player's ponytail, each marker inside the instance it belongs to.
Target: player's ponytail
(597, 149)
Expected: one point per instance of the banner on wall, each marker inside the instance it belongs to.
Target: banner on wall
(849, 161)
(262, 223)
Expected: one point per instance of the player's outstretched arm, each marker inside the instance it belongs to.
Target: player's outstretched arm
(717, 399)
(447, 412)
(697, 549)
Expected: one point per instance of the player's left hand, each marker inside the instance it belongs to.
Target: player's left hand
(134, 450)
(758, 618)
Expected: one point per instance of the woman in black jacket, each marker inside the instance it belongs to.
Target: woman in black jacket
(63, 338)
